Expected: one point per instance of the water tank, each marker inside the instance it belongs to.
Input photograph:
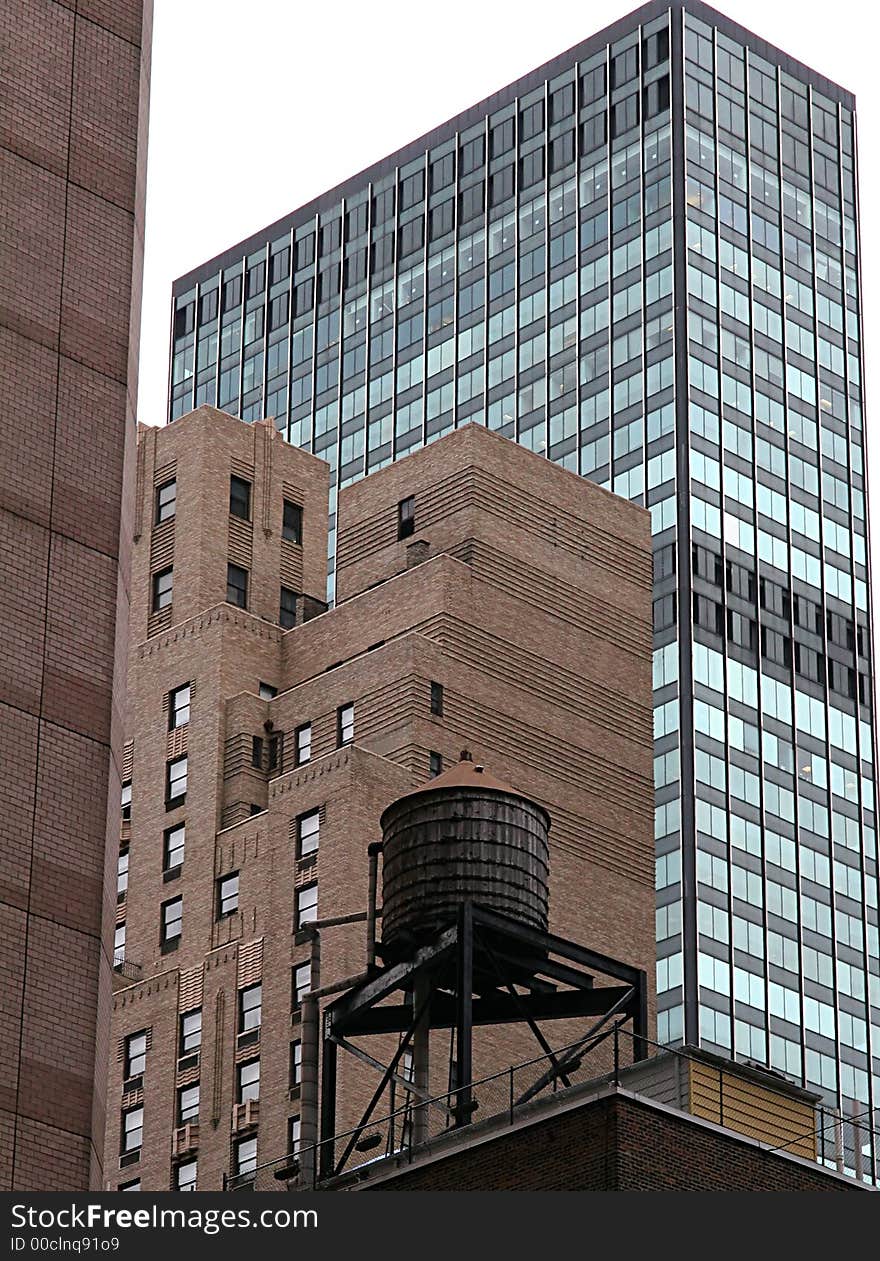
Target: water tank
(464, 836)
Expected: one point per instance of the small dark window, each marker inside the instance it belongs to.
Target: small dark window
(437, 699)
(166, 501)
(236, 586)
(227, 895)
(406, 517)
(163, 588)
(240, 498)
(435, 763)
(267, 692)
(345, 724)
(292, 529)
(287, 610)
(178, 706)
(257, 752)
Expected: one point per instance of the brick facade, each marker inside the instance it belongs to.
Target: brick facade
(534, 620)
(72, 170)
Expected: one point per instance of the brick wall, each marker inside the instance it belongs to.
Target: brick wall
(614, 1143)
(72, 170)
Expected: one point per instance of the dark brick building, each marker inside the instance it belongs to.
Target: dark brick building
(75, 93)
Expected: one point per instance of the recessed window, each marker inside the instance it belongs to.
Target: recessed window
(227, 895)
(406, 517)
(287, 611)
(172, 921)
(308, 828)
(240, 498)
(296, 1061)
(248, 1081)
(122, 874)
(435, 763)
(175, 782)
(267, 692)
(173, 847)
(188, 1104)
(246, 1157)
(293, 1135)
(132, 1129)
(437, 699)
(119, 945)
(307, 904)
(302, 982)
(166, 501)
(163, 586)
(276, 752)
(185, 1179)
(345, 724)
(257, 752)
(292, 528)
(236, 586)
(303, 736)
(250, 1008)
(190, 1032)
(125, 800)
(135, 1054)
(178, 706)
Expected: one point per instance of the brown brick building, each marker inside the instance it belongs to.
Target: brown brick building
(486, 598)
(75, 94)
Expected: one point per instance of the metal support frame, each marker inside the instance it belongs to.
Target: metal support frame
(482, 969)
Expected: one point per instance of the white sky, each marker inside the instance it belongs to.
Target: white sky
(260, 105)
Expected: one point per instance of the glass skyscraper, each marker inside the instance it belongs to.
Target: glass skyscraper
(641, 260)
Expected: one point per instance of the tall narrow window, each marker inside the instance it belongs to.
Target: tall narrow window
(122, 874)
(296, 1059)
(308, 833)
(435, 763)
(292, 528)
(257, 752)
(293, 1135)
(175, 782)
(132, 1129)
(173, 847)
(302, 982)
(345, 724)
(135, 1054)
(406, 517)
(437, 699)
(163, 587)
(240, 498)
(246, 1158)
(248, 1081)
(172, 921)
(227, 895)
(236, 586)
(178, 706)
(188, 1104)
(125, 800)
(166, 501)
(190, 1033)
(119, 945)
(250, 1008)
(303, 743)
(307, 904)
(287, 611)
(186, 1175)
